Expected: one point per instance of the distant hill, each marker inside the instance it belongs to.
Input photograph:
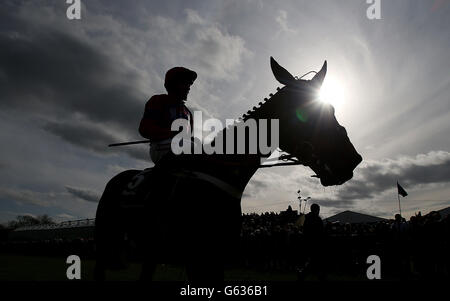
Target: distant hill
(354, 217)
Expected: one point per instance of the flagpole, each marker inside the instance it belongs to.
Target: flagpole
(399, 207)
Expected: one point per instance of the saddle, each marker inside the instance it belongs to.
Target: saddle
(163, 179)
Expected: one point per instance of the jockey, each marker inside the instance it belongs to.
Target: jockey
(162, 110)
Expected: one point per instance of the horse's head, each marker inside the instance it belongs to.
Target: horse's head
(309, 129)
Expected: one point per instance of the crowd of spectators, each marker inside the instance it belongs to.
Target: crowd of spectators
(414, 249)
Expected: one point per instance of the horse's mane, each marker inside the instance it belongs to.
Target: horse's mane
(248, 115)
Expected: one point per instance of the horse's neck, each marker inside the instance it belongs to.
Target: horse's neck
(254, 136)
(236, 168)
(249, 146)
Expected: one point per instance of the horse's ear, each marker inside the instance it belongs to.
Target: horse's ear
(317, 80)
(281, 74)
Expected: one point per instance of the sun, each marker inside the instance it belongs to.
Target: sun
(332, 92)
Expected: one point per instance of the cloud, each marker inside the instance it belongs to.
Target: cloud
(375, 177)
(281, 19)
(25, 196)
(370, 191)
(84, 194)
(64, 216)
(208, 48)
(94, 137)
(54, 74)
(90, 136)
(28, 214)
(96, 75)
(79, 203)
(334, 203)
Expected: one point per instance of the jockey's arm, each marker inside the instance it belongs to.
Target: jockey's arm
(150, 129)
(154, 124)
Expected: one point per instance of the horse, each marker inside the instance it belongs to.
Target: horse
(187, 209)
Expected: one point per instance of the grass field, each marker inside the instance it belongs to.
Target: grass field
(40, 268)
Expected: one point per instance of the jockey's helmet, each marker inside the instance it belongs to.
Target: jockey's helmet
(178, 75)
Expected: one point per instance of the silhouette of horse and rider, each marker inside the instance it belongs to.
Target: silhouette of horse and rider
(187, 209)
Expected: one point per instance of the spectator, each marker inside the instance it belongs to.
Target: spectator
(314, 236)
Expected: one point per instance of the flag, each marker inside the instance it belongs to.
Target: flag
(401, 191)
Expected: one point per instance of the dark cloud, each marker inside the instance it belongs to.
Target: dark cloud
(93, 137)
(84, 194)
(356, 189)
(333, 203)
(56, 73)
(26, 196)
(377, 177)
(88, 136)
(44, 72)
(427, 174)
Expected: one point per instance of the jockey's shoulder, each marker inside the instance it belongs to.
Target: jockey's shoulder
(160, 100)
(157, 99)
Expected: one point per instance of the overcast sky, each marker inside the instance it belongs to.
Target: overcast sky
(68, 88)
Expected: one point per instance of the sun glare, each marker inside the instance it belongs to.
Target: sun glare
(332, 92)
